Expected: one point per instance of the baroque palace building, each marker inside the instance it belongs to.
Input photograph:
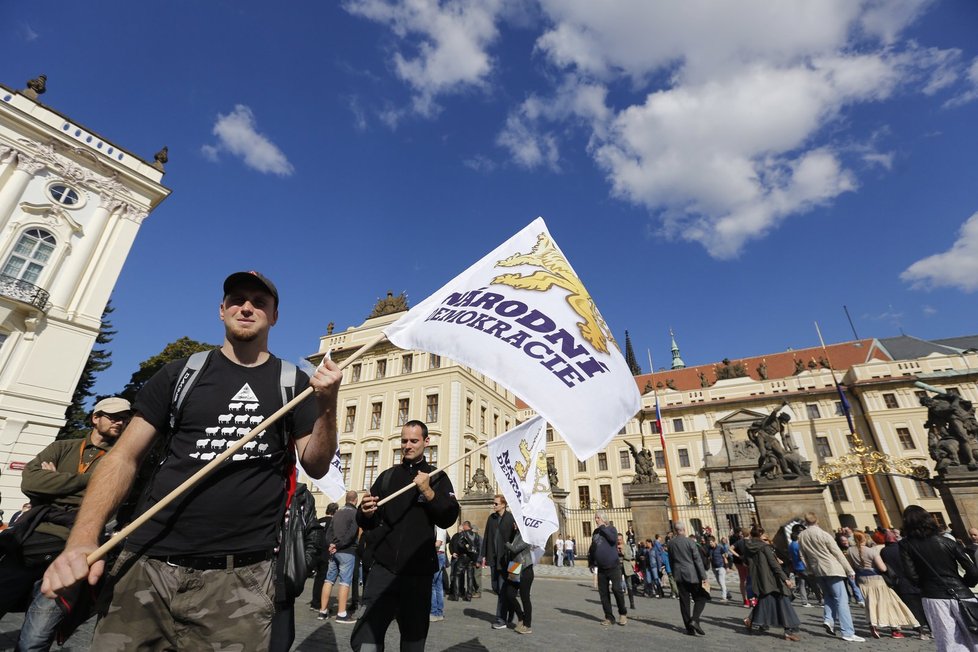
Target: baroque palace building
(71, 204)
(705, 410)
(388, 386)
(712, 462)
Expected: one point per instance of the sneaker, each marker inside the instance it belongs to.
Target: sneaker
(607, 623)
(347, 619)
(791, 636)
(829, 628)
(435, 619)
(622, 620)
(896, 633)
(523, 629)
(476, 595)
(323, 615)
(854, 639)
(499, 625)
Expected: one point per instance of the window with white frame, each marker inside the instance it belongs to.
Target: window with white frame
(31, 253)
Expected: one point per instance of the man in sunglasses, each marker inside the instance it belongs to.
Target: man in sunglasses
(55, 481)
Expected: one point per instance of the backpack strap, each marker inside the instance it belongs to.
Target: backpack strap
(287, 379)
(185, 382)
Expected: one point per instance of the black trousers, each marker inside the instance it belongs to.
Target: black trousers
(463, 579)
(388, 597)
(17, 584)
(317, 583)
(523, 611)
(699, 597)
(612, 576)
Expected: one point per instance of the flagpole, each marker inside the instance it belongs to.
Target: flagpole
(674, 511)
(874, 491)
(102, 550)
(435, 472)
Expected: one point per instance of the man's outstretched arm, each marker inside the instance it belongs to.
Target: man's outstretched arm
(110, 483)
(316, 451)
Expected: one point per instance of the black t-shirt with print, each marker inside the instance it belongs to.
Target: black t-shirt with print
(239, 506)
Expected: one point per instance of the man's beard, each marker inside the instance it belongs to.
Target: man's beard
(239, 334)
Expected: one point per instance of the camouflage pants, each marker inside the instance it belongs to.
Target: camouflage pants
(157, 606)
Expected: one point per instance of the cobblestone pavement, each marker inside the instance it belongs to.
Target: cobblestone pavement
(566, 616)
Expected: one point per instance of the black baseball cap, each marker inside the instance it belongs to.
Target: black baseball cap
(250, 277)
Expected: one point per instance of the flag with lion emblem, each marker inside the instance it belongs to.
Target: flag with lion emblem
(523, 317)
(519, 462)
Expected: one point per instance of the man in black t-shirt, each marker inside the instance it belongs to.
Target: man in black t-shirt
(402, 539)
(200, 573)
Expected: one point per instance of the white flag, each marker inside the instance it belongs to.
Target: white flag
(332, 483)
(522, 316)
(519, 462)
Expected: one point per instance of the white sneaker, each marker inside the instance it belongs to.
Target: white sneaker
(854, 639)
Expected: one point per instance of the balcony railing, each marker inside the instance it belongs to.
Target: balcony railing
(19, 290)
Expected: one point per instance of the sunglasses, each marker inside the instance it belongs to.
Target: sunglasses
(115, 417)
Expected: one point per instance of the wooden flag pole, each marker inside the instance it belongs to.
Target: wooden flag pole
(117, 538)
(434, 473)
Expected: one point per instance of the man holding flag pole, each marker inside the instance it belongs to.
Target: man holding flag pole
(194, 553)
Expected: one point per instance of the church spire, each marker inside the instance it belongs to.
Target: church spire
(677, 362)
(630, 358)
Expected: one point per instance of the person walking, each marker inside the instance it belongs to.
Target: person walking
(520, 583)
(603, 556)
(341, 539)
(908, 592)
(559, 551)
(931, 562)
(739, 553)
(718, 562)
(627, 561)
(825, 561)
(499, 527)
(884, 609)
(798, 565)
(772, 588)
(691, 579)
(437, 613)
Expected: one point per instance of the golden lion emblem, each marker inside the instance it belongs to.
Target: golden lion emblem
(556, 271)
(522, 470)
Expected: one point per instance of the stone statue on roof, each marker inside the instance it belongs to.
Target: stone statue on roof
(36, 86)
(161, 157)
(389, 305)
(479, 484)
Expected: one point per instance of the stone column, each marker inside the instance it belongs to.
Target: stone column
(959, 490)
(76, 265)
(650, 508)
(781, 501)
(13, 190)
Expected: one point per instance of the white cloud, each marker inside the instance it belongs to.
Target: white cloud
(359, 115)
(480, 163)
(971, 93)
(28, 33)
(450, 41)
(741, 121)
(237, 134)
(929, 311)
(957, 267)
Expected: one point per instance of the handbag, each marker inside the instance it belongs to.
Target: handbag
(513, 570)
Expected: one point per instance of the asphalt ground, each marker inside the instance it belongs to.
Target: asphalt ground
(566, 617)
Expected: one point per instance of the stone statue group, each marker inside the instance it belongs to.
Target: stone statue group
(952, 430)
(775, 460)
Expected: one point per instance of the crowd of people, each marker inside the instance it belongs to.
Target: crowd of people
(211, 569)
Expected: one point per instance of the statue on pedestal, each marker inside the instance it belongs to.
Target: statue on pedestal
(552, 475)
(775, 460)
(644, 466)
(479, 484)
(952, 430)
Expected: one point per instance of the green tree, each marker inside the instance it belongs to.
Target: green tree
(630, 359)
(77, 422)
(181, 348)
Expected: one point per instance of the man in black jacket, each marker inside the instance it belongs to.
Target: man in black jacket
(465, 551)
(499, 530)
(403, 542)
(604, 557)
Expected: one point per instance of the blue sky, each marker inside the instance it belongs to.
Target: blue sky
(734, 171)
